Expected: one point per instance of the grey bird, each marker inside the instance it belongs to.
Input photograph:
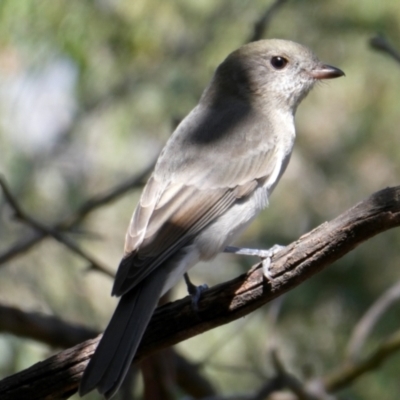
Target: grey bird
(212, 178)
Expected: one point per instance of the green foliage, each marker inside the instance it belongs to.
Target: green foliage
(136, 68)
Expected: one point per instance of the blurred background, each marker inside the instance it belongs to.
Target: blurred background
(89, 93)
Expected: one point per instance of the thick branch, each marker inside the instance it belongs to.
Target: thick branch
(43, 328)
(58, 376)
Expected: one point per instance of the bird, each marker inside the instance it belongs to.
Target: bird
(214, 175)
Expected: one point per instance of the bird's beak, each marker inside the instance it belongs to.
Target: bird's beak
(326, 72)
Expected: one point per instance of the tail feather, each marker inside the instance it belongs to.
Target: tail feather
(116, 350)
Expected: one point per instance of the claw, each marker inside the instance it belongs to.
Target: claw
(194, 291)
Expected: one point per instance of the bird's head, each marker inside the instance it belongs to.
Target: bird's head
(278, 73)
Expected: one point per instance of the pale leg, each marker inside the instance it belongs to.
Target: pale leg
(265, 255)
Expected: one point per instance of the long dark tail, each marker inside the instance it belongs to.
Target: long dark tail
(116, 350)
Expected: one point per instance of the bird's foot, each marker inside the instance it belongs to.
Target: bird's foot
(265, 256)
(194, 291)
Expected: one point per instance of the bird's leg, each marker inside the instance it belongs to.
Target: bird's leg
(265, 256)
(194, 291)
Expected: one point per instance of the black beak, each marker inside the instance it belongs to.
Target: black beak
(326, 72)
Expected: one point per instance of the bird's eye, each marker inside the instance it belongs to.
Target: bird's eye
(279, 62)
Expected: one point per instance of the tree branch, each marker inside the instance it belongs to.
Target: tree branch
(58, 333)
(58, 376)
(351, 370)
(24, 217)
(43, 328)
(78, 216)
(262, 24)
(380, 43)
(369, 320)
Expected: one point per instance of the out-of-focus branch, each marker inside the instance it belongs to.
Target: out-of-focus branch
(284, 380)
(106, 198)
(380, 43)
(369, 320)
(59, 375)
(350, 371)
(43, 328)
(78, 216)
(262, 24)
(55, 332)
(24, 217)
(190, 379)
(229, 397)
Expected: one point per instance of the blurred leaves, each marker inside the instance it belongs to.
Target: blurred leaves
(89, 92)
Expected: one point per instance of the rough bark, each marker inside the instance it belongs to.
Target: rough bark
(58, 377)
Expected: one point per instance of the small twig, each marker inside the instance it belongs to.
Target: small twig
(189, 377)
(220, 344)
(262, 24)
(105, 198)
(289, 380)
(364, 327)
(350, 371)
(78, 216)
(272, 385)
(24, 217)
(274, 310)
(234, 369)
(229, 397)
(380, 43)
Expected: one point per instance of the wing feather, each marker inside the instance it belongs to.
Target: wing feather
(191, 186)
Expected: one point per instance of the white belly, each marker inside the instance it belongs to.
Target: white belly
(225, 229)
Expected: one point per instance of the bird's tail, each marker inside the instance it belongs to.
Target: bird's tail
(116, 350)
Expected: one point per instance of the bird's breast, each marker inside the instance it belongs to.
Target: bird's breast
(226, 228)
(285, 135)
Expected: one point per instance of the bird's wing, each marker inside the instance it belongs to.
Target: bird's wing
(197, 179)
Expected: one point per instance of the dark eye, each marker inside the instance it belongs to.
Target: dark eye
(279, 62)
